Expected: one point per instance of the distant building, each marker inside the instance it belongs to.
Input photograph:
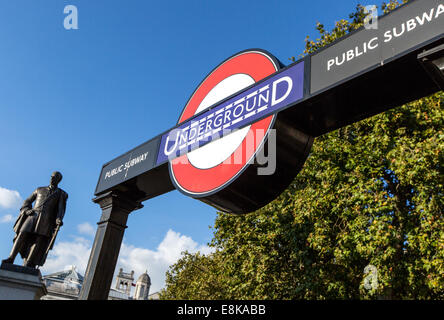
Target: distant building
(66, 285)
(124, 281)
(154, 296)
(63, 285)
(143, 285)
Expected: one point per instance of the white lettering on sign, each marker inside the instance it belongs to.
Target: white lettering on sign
(395, 32)
(221, 122)
(289, 82)
(225, 117)
(126, 166)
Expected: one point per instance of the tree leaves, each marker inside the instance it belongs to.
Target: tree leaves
(369, 194)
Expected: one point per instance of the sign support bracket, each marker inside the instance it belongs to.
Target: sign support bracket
(116, 206)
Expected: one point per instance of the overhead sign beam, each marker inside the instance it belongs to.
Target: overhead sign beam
(406, 29)
(360, 75)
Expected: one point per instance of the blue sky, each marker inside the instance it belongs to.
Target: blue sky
(71, 100)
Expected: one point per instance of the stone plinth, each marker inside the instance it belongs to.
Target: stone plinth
(20, 283)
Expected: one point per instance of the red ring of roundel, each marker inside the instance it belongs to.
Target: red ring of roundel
(198, 182)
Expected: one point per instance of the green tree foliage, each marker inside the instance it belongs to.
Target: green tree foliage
(370, 193)
(196, 276)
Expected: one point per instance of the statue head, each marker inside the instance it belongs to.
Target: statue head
(56, 177)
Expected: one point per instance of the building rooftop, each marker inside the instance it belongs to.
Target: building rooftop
(66, 275)
(144, 277)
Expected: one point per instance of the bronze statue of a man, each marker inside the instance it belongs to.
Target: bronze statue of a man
(36, 228)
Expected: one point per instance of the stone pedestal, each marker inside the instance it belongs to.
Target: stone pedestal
(20, 283)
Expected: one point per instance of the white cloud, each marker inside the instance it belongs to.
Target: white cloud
(6, 218)
(130, 258)
(86, 228)
(158, 261)
(10, 199)
(66, 253)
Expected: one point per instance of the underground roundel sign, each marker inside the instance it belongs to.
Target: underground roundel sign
(224, 172)
(213, 166)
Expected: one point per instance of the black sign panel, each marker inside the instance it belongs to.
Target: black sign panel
(129, 165)
(403, 30)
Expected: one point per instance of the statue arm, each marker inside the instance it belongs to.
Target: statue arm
(62, 206)
(27, 204)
